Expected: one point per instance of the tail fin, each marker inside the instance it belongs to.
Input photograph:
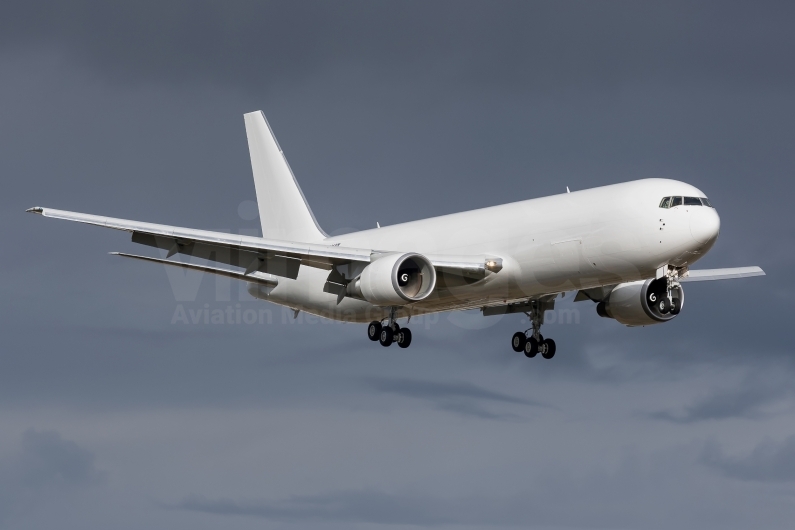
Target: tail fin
(283, 210)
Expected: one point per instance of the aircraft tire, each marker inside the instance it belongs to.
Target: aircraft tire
(549, 351)
(404, 338)
(387, 336)
(664, 306)
(374, 330)
(675, 306)
(517, 342)
(531, 348)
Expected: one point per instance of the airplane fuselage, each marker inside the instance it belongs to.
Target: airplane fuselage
(578, 240)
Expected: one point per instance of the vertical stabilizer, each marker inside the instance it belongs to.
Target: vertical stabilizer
(283, 210)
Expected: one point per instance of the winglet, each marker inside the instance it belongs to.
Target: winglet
(36, 209)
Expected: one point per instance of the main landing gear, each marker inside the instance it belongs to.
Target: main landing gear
(390, 332)
(534, 343)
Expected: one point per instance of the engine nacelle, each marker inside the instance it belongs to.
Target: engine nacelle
(637, 303)
(395, 279)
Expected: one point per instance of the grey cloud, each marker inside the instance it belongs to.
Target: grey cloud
(44, 465)
(260, 43)
(436, 390)
(747, 400)
(349, 506)
(460, 397)
(626, 495)
(768, 462)
(465, 408)
(46, 458)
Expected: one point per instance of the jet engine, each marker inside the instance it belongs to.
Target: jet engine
(642, 303)
(395, 279)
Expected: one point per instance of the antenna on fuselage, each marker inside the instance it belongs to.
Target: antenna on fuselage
(567, 190)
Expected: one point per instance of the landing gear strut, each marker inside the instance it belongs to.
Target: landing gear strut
(674, 303)
(533, 343)
(390, 332)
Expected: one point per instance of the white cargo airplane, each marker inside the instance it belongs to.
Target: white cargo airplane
(626, 247)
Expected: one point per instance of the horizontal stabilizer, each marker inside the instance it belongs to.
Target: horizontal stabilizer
(256, 277)
(722, 274)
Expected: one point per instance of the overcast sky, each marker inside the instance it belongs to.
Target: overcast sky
(116, 414)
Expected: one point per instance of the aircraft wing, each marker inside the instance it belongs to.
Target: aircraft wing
(721, 274)
(279, 258)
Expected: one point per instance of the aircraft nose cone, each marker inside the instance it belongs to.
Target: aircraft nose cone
(704, 224)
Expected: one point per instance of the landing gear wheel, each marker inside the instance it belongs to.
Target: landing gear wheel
(374, 330)
(518, 340)
(548, 349)
(531, 348)
(404, 338)
(387, 336)
(676, 306)
(663, 305)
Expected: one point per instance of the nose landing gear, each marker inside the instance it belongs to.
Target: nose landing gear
(665, 296)
(390, 332)
(534, 343)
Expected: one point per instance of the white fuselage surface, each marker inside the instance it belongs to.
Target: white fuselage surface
(578, 240)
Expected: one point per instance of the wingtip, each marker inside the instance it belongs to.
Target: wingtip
(36, 209)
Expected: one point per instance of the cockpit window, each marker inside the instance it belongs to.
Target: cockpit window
(670, 202)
